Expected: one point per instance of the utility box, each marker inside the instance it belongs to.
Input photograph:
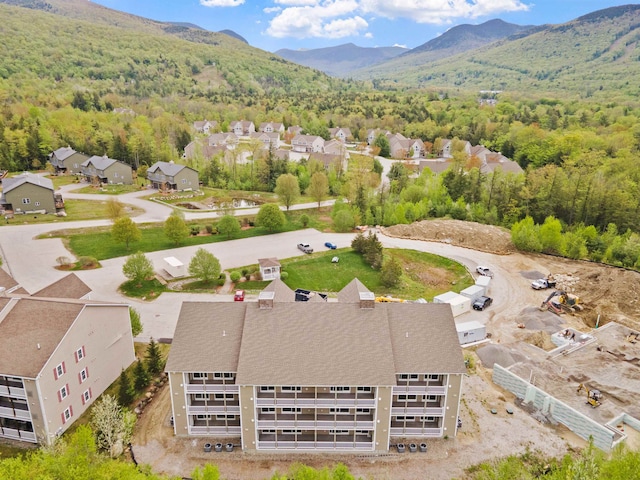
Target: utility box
(174, 267)
(459, 303)
(469, 332)
(473, 292)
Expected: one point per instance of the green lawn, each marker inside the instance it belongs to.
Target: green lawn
(76, 210)
(108, 189)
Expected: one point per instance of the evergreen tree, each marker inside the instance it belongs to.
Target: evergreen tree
(140, 375)
(154, 358)
(125, 391)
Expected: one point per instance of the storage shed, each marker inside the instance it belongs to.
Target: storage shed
(473, 292)
(469, 332)
(174, 267)
(459, 303)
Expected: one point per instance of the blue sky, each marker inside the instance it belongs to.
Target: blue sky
(299, 24)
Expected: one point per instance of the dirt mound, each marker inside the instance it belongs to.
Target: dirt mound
(535, 319)
(485, 238)
(503, 356)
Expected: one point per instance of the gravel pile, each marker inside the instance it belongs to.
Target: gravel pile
(503, 356)
(535, 319)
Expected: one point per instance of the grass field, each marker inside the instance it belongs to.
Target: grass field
(76, 210)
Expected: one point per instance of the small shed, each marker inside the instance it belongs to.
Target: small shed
(484, 281)
(473, 292)
(459, 303)
(174, 267)
(469, 332)
(269, 268)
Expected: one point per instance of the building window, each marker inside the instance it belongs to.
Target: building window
(409, 376)
(433, 377)
(184, 180)
(83, 375)
(431, 398)
(339, 432)
(79, 354)
(63, 393)
(291, 432)
(201, 396)
(225, 417)
(363, 432)
(203, 417)
(364, 389)
(267, 410)
(407, 397)
(200, 375)
(86, 396)
(37, 204)
(405, 419)
(224, 396)
(429, 419)
(59, 371)
(26, 201)
(363, 410)
(265, 388)
(67, 414)
(341, 411)
(340, 389)
(291, 410)
(267, 431)
(291, 389)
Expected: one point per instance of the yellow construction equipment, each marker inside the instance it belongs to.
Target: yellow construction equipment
(390, 299)
(593, 396)
(562, 302)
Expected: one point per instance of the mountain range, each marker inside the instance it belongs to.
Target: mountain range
(596, 54)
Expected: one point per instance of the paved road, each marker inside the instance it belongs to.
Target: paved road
(31, 262)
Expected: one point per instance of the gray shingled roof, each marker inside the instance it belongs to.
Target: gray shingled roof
(282, 292)
(168, 168)
(351, 291)
(29, 323)
(69, 286)
(9, 184)
(63, 152)
(100, 163)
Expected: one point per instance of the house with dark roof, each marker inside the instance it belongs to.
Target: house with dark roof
(348, 375)
(58, 356)
(105, 170)
(172, 176)
(28, 193)
(69, 286)
(67, 160)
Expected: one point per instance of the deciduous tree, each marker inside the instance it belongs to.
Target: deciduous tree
(125, 231)
(229, 226)
(204, 266)
(270, 217)
(175, 228)
(115, 209)
(287, 189)
(137, 267)
(319, 187)
(136, 324)
(112, 425)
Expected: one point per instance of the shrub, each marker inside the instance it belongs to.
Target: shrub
(86, 262)
(304, 220)
(195, 230)
(63, 261)
(235, 276)
(284, 275)
(209, 229)
(245, 272)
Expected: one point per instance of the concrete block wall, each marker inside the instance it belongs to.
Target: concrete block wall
(580, 424)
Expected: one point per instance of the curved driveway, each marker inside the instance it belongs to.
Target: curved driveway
(31, 263)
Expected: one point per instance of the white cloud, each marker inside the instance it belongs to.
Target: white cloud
(221, 3)
(327, 19)
(368, 35)
(399, 45)
(297, 3)
(271, 9)
(439, 11)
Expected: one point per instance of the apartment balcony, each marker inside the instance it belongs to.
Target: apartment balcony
(313, 445)
(419, 389)
(422, 411)
(211, 388)
(213, 409)
(311, 424)
(15, 413)
(415, 432)
(15, 434)
(16, 390)
(315, 402)
(232, 431)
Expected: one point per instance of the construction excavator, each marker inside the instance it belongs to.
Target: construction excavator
(593, 396)
(560, 302)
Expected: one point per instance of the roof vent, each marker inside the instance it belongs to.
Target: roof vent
(265, 300)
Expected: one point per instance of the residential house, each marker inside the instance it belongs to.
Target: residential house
(335, 147)
(107, 170)
(272, 127)
(230, 140)
(67, 160)
(269, 268)
(69, 286)
(9, 285)
(342, 134)
(58, 356)
(196, 150)
(242, 127)
(436, 165)
(447, 148)
(351, 375)
(205, 126)
(28, 193)
(373, 133)
(406, 147)
(294, 130)
(269, 140)
(490, 161)
(172, 176)
(329, 160)
(307, 143)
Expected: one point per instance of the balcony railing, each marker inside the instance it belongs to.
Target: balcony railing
(221, 431)
(315, 424)
(211, 388)
(15, 413)
(15, 434)
(211, 409)
(292, 445)
(415, 432)
(427, 412)
(16, 392)
(316, 402)
(422, 390)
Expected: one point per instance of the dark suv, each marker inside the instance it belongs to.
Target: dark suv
(482, 303)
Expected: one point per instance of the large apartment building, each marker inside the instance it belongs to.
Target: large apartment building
(282, 375)
(58, 355)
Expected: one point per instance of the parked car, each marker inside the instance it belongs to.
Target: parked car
(543, 283)
(330, 245)
(482, 270)
(305, 247)
(482, 302)
(239, 296)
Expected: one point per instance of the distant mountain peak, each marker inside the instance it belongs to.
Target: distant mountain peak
(235, 35)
